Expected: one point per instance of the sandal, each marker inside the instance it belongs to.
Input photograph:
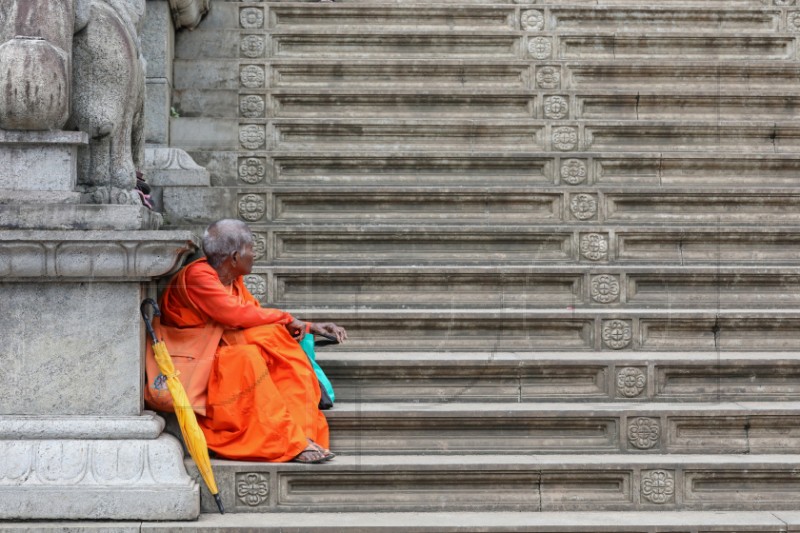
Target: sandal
(311, 455)
(324, 451)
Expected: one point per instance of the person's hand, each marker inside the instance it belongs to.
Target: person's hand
(297, 329)
(330, 329)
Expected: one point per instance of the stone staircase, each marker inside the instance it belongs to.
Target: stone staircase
(563, 237)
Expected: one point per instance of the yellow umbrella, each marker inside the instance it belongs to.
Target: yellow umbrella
(192, 434)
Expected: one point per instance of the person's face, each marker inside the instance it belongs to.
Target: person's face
(243, 260)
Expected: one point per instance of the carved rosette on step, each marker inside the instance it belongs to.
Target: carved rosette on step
(259, 246)
(252, 76)
(658, 486)
(252, 46)
(644, 433)
(251, 18)
(548, 77)
(540, 48)
(252, 489)
(257, 285)
(573, 171)
(565, 138)
(583, 206)
(252, 169)
(617, 334)
(631, 382)
(605, 289)
(251, 106)
(252, 207)
(252, 136)
(556, 107)
(594, 246)
(793, 21)
(532, 20)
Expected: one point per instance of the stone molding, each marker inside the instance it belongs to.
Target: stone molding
(96, 255)
(166, 166)
(108, 479)
(147, 426)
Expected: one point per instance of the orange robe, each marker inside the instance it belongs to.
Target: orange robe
(262, 392)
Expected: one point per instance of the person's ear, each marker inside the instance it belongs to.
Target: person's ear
(235, 257)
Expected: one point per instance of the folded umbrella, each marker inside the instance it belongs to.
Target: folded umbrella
(192, 434)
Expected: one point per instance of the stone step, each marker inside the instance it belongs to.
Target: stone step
(529, 205)
(554, 17)
(446, 73)
(578, 106)
(563, 329)
(481, 168)
(361, 483)
(420, 244)
(559, 376)
(475, 522)
(540, 428)
(617, 75)
(415, 45)
(365, 135)
(557, 287)
(689, 4)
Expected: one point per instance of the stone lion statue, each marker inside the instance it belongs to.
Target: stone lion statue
(108, 72)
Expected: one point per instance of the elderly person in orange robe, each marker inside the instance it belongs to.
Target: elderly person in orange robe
(263, 395)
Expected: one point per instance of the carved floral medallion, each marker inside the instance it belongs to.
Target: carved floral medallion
(252, 489)
(605, 289)
(583, 206)
(573, 171)
(252, 207)
(658, 486)
(644, 433)
(565, 138)
(257, 285)
(532, 20)
(252, 169)
(252, 76)
(548, 77)
(617, 334)
(631, 382)
(594, 246)
(540, 47)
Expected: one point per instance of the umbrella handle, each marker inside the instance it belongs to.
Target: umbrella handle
(156, 312)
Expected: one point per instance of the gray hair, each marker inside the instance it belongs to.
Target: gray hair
(224, 237)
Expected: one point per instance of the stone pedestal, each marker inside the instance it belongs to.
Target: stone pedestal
(74, 440)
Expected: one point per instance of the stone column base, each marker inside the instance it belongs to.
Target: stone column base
(120, 468)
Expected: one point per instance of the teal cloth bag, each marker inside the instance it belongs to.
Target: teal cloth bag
(308, 346)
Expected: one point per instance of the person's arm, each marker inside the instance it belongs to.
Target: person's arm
(213, 299)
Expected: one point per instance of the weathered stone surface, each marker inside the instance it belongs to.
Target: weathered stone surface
(39, 161)
(169, 167)
(207, 134)
(95, 479)
(158, 39)
(28, 215)
(201, 74)
(157, 111)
